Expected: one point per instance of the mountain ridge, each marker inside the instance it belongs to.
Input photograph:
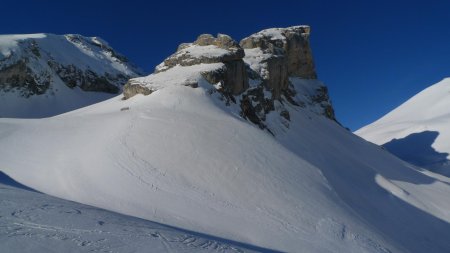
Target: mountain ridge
(43, 75)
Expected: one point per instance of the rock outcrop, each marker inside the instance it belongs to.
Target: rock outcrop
(207, 49)
(280, 53)
(19, 77)
(261, 74)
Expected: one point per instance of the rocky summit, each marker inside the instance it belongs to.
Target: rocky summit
(264, 73)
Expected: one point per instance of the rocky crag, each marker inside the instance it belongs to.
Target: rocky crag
(264, 73)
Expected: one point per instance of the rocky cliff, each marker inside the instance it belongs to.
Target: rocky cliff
(264, 73)
(279, 53)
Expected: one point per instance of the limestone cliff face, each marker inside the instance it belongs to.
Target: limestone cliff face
(207, 49)
(262, 74)
(291, 43)
(279, 53)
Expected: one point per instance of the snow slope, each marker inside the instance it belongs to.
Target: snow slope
(418, 130)
(181, 157)
(58, 69)
(35, 222)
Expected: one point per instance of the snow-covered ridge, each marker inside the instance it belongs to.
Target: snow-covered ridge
(72, 49)
(418, 130)
(51, 72)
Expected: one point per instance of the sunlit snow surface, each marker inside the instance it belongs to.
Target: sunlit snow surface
(181, 157)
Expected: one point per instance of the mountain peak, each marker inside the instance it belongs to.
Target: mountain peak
(35, 68)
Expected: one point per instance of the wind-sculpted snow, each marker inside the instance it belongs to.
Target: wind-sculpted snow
(34, 222)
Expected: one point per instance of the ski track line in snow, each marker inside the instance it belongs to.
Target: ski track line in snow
(37, 218)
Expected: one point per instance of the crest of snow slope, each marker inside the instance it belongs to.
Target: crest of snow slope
(426, 112)
(29, 218)
(37, 51)
(181, 157)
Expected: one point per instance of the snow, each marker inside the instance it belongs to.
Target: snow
(254, 58)
(208, 51)
(424, 118)
(276, 33)
(62, 100)
(178, 75)
(181, 157)
(34, 222)
(10, 43)
(81, 53)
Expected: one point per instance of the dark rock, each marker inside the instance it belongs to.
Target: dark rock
(20, 78)
(132, 89)
(87, 80)
(322, 97)
(285, 114)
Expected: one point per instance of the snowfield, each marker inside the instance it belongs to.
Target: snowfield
(180, 157)
(418, 130)
(34, 222)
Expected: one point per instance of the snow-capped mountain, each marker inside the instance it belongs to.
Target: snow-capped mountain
(418, 131)
(43, 75)
(238, 141)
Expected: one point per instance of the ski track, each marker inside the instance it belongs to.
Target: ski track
(43, 220)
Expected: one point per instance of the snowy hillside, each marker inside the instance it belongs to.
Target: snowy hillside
(254, 156)
(43, 75)
(34, 222)
(418, 131)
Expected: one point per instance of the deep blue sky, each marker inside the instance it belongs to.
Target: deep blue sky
(373, 55)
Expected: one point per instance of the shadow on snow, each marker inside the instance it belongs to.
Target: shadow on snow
(417, 149)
